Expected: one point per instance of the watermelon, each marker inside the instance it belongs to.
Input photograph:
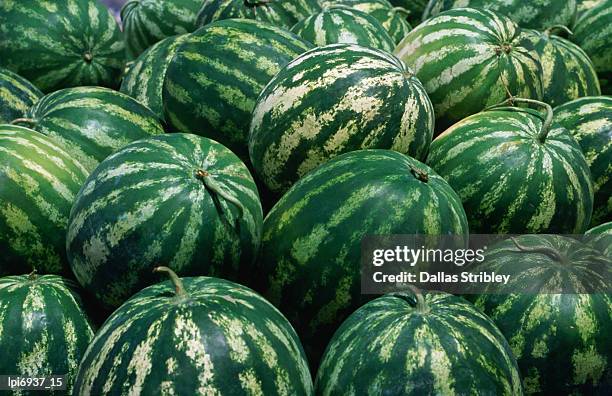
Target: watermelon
(43, 326)
(179, 199)
(393, 19)
(593, 33)
(341, 24)
(600, 237)
(281, 13)
(539, 15)
(335, 99)
(38, 183)
(208, 81)
(568, 72)
(561, 341)
(146, 22)
(144, 79)
(409, 343)
(590, 121)
(585, 5)
(516, 172)
(415, 9)
(469, 59)
(16, 96)
(91, 122)
(195, 336)
(309, 263)
(60, 44)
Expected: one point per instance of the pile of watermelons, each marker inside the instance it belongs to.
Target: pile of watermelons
(137, 164)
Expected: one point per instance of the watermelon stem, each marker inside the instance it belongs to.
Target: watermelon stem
(174, 278)
(546, 124)
(27, 121)
(421, 304)
(550, 252)
(401, 10)
(33, 275)
(213, 186)
(421, 175)
(549, 30)
(88, 57)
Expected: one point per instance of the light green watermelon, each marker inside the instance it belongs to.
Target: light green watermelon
(60, 44)
(309, 263)
(178, 199)
(332, 100)
(411, 344)
(195, 336)
(145, 22)
(91, 122)
(339, 24)
(43, 326)
(516, 172)
(38, 184)
(469, 59)
(16, 96)
(589, 120)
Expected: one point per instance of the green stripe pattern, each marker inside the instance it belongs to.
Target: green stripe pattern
(39, 184)
(589, 120)
(393, 19)
(215, 77)
(341, 24)
(509, 180)
(16, 96)
(568, 72)
(177, 199)
(593, 33)
(220, 338)
(91, 122)
(309, 262)
(144, 80)
(146, 22)
(415, 9)
(585, 5)
(600, 237)
(561, 341)
(332, 100)
(469, 59)
(540, 14)
(401, 346)
(278, 13)
(60, 44)
(43, 327)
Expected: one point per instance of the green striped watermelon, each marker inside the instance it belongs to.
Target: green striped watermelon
(178, 199)
(145, 22)
(469, 59)
(407, 344)
(600, 237)
(281, 13)
(589, 120)
(516, 172)
(539, 14)
(561, 341)
(568, 72)
(39, 182)
(415, 9)
(16, 96)
(59, 44)
(593, 33)
(144, 80)
(332, 100)
(392, 18)
(43, 328)
(309, 262)
(214, 78)
(91, 122)
(341, 24)
(585, 5)
(195, 336)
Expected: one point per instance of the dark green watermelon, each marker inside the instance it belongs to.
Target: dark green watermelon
(195, 336)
